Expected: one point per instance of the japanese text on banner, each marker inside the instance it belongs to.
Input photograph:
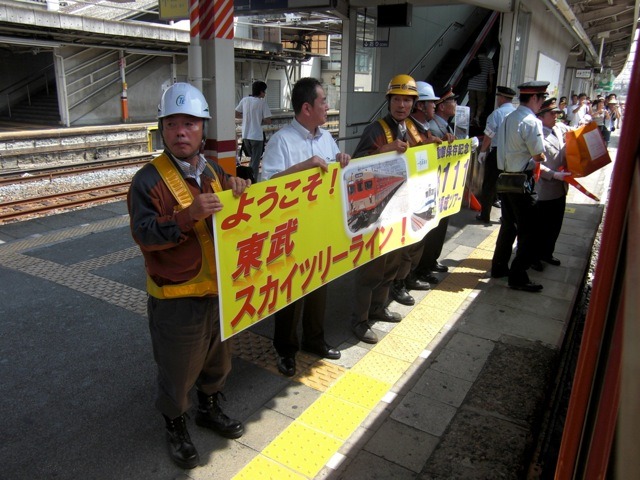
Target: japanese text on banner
(288, 236)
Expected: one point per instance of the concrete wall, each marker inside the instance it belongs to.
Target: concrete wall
(407, 47)
(546, 36)
(20, 65)
(143, 95)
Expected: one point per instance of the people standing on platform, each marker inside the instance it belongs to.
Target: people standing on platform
(520, 146)
(579, 111)
(615, 112)
(602, 117)
(406, 279)
(570, 107)
(302, 145)
(562, 116)
(479, 85)
(487, 155)
(551, 187)
(439, 126)
(395, 132)
(171, 202)
(254, 112)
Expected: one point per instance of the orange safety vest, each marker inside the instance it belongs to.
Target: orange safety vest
(205, 282)
(411, 128)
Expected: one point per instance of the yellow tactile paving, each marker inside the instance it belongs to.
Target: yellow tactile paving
(399, 347)
(422, 324)
(359, 389)
(334, 416)
(381, 367)
(266, 469)
(320, 375)
(312, 439)
(447, 297)
(302, 448)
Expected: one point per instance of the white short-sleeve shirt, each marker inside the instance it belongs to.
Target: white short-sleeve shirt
(294, 144)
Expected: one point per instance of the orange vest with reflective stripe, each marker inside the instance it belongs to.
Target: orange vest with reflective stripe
(205, 282)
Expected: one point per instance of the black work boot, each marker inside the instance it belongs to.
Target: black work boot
(210, 415)
(181, 449)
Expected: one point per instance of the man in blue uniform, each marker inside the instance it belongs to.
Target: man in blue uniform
(520, 145)
(488, 155)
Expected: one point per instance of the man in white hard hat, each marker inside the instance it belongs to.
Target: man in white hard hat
(171, 202)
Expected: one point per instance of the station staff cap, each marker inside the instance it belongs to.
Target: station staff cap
(445, 93)
(536, 87)
(549, 105)
(506, 92)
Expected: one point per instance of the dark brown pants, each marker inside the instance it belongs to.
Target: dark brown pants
(185, 334)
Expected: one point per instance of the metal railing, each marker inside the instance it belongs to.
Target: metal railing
(27, 86)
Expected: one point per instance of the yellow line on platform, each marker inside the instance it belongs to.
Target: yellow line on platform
(312, 439)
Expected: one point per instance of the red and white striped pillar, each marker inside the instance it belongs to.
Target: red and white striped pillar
(216, 35)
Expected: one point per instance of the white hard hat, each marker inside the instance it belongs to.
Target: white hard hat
(425, 92)
(182, 98)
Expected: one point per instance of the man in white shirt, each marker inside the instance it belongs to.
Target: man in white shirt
(302, 145)
(579, 111)
(254, 113)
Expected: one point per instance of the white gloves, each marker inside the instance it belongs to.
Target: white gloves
(560, 175)
(474, 143)
(481, 157)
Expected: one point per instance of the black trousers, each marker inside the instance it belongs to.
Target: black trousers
(409, 259)
(372, 283)
(551, 215)
(432, 246)
(521, 210)
(311, 308)
(506, 236)
(488, 194)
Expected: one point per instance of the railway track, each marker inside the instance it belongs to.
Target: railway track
(37, 206)
(49, 173)
(60, 195)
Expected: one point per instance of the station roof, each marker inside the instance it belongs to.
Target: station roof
(606, 26)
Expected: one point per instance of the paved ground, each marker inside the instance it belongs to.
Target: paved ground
(455, 391)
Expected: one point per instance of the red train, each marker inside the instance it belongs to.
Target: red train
(368, 193)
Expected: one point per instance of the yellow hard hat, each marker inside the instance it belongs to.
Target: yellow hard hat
(402, 85)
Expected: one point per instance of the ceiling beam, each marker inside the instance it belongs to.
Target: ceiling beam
(609, 26)
(602, 13)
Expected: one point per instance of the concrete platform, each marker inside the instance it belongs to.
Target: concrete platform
(454, 391)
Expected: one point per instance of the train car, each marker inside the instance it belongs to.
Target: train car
(427, 211)
(368, 193)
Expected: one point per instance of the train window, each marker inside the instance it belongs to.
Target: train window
(350, 189)
(368, 184)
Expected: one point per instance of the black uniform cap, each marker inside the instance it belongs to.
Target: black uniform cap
(445, 93)
(506, 92)
(536, 87)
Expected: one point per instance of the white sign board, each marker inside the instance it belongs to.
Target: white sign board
(549, 71)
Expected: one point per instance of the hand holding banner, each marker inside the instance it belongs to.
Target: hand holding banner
(288, 236)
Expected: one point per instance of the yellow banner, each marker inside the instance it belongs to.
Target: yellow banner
(288, 236)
